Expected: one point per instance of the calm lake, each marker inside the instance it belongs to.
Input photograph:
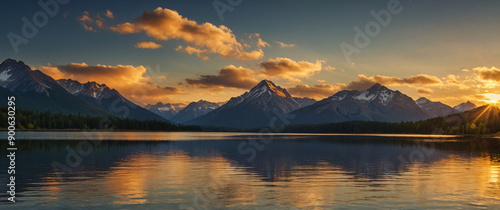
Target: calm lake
(140, 170)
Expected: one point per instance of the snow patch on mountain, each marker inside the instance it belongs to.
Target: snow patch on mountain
(365, 96)
(4, 76)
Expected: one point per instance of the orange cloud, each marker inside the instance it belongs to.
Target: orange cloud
(262, 43)
(452, 79)
(422, 90)
(85, 17)
(192, 50)
(366, 82)
(491, 74)
(86, 20)
(148, 45)
(131, 81)
(481, 97)
(283, 45)
(230, 76)
(166, 24)
(109, 14)
(314, 91)
(289, 69)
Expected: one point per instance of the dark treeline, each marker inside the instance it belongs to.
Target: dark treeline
(34, 120)
(482, 120)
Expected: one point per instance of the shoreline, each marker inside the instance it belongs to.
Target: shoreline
(411, 135)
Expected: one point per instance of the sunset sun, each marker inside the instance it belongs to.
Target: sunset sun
(491, 98)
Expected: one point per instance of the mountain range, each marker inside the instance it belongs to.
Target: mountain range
(466, 106)
(166, 111)
(38, 91)
(35, 90)
(378, 103)
(252, 109)
(264, 105)
(434, 108)
(108, 99)
(194, 110)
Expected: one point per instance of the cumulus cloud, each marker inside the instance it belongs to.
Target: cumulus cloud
(314, 91)
(288, 69)
(283, 45)
(485, 73)
(131, 81)
(422, 90)
(148, 45)
(228, 77)
(244, 78)
(366, 82)
(166, 24)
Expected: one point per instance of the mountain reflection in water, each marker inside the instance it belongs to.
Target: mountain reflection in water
(291, 171)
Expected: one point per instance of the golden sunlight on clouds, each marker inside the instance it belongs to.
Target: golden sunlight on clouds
(148, 45)
(288, 69)
(192, 50)
(485, 73)
(491, 97)
(166, 24)
(109, 14)
(283, 45)
(131, 81)
(366, 82)
(244, 78)
(85, 21)
(422, 90)
(261, 43)
(230, 77)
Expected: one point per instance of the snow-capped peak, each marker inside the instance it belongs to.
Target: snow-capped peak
(376, 92)
(421, 101)
(92, 89)
(465, 106)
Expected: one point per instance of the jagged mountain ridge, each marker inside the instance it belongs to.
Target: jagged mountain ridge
(378, 103)
(434, 108)
(167, 110)
(466, 106)
(254, 108)
(194, 110)
(41, 92)
(303, 102)
(108, 99)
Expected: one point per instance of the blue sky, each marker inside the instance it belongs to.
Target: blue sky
(432, 38)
